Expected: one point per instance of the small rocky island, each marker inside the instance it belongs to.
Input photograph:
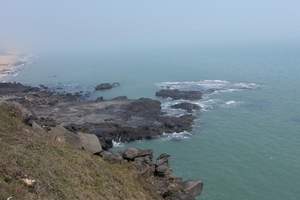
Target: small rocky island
(93, 125)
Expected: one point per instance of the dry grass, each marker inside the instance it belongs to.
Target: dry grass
(60, 171)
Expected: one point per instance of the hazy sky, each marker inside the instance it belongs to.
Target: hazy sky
(140, 23)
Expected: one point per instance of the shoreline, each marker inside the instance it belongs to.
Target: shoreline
(9, 64)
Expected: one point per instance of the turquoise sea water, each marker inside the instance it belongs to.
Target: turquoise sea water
(246, 146)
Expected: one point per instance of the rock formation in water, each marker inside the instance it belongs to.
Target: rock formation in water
(119, 119)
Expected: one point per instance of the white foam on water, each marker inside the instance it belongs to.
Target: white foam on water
(177, 136)
(208, 86)
(117, 144)
(231, 104)
(209, 89)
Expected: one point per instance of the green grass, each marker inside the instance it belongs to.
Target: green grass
(60, 171)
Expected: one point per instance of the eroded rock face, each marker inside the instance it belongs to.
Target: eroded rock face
(179, 94)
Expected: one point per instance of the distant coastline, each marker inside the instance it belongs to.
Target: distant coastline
(10, 63)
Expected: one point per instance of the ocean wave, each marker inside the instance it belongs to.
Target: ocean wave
(117, 143)
(208, 86)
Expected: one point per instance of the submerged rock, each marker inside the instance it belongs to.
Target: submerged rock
(178, 94)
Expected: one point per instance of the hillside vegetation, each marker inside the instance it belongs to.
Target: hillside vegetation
(35, 166)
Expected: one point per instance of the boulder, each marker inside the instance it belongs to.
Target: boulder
(193, 188)
(189, 107)
(90, 143)
(62, 135)
(179, 94)
(132, 153)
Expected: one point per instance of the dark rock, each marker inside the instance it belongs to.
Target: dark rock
(189, 107)
(15, 89)
(177, 124)
(121, 120)
(144, 107)
(99, 99)
(178, 94)
(107, 86)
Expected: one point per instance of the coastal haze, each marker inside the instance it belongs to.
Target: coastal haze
(245, 140)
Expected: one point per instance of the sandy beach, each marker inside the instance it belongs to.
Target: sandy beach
(8, 63)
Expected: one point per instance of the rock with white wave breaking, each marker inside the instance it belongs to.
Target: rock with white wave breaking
(189, 107)
(120, 119)
(179, 94)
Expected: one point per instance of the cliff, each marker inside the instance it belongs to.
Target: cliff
(34, 165)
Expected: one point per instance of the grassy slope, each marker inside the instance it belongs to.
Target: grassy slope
(61, 172)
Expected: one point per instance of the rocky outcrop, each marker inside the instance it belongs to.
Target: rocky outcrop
(119, 119)
(179, 94)
(157, 173)
(189, 107)
(106, 86)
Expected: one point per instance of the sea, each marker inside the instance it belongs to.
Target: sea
(245, 143)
